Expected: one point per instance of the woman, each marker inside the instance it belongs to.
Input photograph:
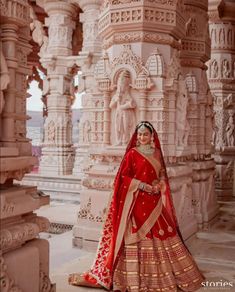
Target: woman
(141, 247)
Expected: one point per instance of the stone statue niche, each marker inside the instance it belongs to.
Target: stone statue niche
(123, 110)
(230, 129)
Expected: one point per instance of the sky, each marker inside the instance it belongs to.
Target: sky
(34, 102)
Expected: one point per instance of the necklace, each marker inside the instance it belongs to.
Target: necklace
(145, 149)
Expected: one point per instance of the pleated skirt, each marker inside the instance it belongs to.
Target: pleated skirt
(156, 265)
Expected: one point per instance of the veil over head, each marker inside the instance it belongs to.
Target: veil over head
(132, 144)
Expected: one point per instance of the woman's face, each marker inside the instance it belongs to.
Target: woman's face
(144, 136)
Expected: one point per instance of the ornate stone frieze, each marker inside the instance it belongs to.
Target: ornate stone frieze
(143, 15)
(12, 237)
(15, 10)
(99, 184)
(221, 69)
(128, 57)
(140, 36)
(222, 36)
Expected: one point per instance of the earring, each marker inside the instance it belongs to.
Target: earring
(152, 142)
(137, 143)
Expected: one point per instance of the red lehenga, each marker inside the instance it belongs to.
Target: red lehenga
(141, 247)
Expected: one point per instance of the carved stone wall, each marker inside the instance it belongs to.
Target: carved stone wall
(221, 76)
(152, 67)
(20, 227)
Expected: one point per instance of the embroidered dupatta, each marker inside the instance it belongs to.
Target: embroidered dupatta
(122, 201)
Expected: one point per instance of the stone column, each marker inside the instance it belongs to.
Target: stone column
(9, 38)
(87, 59)
(143, 41)
(20, 226)
(195, 52)
(221, 76)
(57, 149)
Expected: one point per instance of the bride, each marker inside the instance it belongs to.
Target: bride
(141, 248)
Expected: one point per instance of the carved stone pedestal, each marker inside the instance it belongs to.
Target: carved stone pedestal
(90, 219)
(99, 175)
(225, 173)
(204, 199)
(56, 161)
(180, 178)
(24, 257)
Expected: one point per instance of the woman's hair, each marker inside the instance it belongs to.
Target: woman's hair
(146, 124)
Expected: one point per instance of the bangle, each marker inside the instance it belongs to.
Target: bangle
(142, 186)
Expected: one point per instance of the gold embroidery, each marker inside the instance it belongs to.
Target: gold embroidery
(155, 267)
(144, 229)
(126, 211)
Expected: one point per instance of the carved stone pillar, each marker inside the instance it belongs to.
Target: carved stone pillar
(9, 38)
(57, 151)
(221, 76)
(20, 226)
(87, 59)
(143, 42)
(195, 52)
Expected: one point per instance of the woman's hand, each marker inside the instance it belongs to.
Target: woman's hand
(156, 188)
(145, 187)
(148, 188)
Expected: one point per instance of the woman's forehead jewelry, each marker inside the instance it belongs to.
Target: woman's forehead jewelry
(142, 128)
(144, 125)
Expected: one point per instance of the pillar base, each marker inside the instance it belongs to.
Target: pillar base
(56, 161)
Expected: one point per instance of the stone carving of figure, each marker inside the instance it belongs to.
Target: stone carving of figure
(214, 134)
(4, 78)
(214, 69)
(225, 70)
(182, 123)
(86, 132)
(124, 104)
(230, 130)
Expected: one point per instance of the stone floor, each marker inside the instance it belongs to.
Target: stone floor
(213, 249)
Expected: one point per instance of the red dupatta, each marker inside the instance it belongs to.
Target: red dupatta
(125, 190)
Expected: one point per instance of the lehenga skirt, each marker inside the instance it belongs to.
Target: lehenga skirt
(156, 265)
